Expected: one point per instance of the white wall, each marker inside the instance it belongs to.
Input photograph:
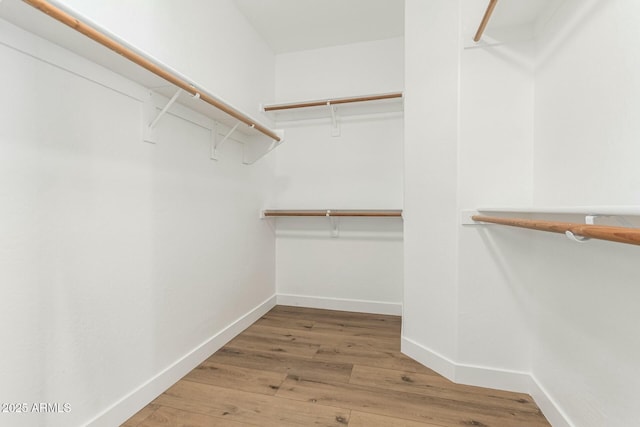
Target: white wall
(586, 350)
(210, 42)
(495, 161)
(515, 308)
(360, 169)
(105, 238)
(586, 108)
(353, 69)
(432, 67)
(469, 140)
(119, 258)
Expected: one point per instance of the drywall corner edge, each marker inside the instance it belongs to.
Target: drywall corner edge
(482, 376)
(124, 408)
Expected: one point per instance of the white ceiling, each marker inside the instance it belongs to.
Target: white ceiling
(291, 25)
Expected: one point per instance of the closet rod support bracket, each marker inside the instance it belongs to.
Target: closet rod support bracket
(591, 220)
(335, 125)
(465, 217)
(218, 144)
(577, 239)
(271, 221)
(150, 119)
(333, 221)
(164, 110)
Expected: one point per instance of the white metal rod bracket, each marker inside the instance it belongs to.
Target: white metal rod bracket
(589, 220)
(218, 144)
(573, 237)
(465, 217)
(148, 113)
(271, 221)
(335, 125)
(150, 118)
(334, 224)
(162, 112)
(213, 136)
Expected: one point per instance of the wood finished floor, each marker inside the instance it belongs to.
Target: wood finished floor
(308, 367)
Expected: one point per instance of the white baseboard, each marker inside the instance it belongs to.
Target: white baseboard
(429, 358)
(501, 379)
(358, 306)
(482, 376)
(549, 407)
(123, 409)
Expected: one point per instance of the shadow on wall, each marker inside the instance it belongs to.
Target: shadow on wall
(318, 228)
(563, 24)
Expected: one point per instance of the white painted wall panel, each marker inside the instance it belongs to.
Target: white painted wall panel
(586, 150)
(117, 257)
(364, 263)
(586, 111)
(495, 162)
(211, 42)
(352, 69)
(360, 169)
(432, 70)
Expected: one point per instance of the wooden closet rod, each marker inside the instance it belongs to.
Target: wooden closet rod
(602, 232)
(329, 212)
(134, 57)
(485, 20)
(336, 101)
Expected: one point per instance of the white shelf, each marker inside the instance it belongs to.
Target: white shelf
(597, 210)
(362, 213)
(362, 105)
(38, 23)
(333, 218)
(626, 210)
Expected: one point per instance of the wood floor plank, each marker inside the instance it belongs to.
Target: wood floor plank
(284, 363)
(250, 408)
(170, 417)
(328, 337)
(373, 343)
(335, 322)
(140, 416)
(312, 367)
(364, 419)
(319, 314)
(437, 386)
(350, 329)
(416, 407)
(307, 336)
(255, 338)
(271, 319)
(237, 378)
(368, 356)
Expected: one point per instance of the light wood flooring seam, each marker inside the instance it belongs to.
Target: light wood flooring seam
(311, 367)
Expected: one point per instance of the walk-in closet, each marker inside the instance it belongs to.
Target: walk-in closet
(360, 213)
